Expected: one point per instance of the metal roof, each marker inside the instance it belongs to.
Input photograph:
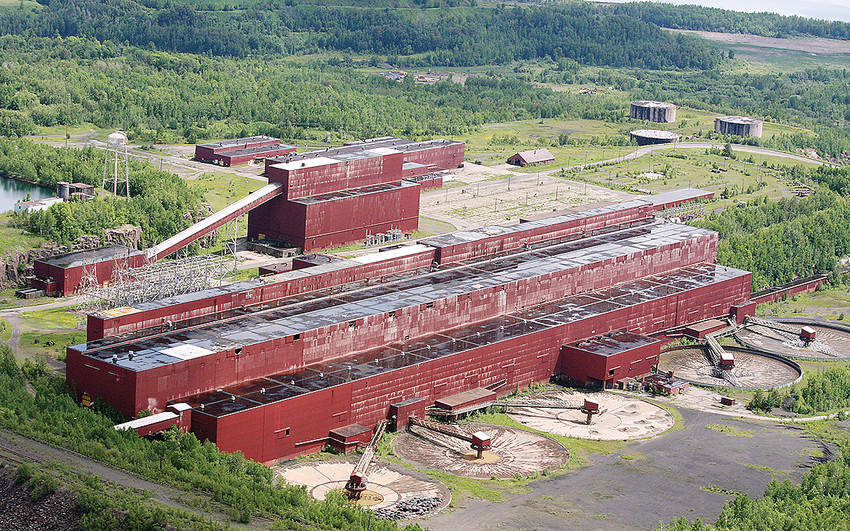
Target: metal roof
(684, 194)
(92, 256)
(656, 133)
(327, 307)
(454, 238)
(398, 355)
(535, 155)
(739, 119)
(650, 103)
(367, 148)
(235, 142)
(613, 343)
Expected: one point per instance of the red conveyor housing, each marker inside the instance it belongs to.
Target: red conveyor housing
(207, 225)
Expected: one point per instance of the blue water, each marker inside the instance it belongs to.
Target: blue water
(823, 9)
(11, 191)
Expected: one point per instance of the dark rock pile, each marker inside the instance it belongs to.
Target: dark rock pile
(19, 512)
(410, 508)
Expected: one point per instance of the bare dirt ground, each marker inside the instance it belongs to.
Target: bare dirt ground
(18, 511)
(513, 452)
(751, 369)
(814, 45)
(692, 472)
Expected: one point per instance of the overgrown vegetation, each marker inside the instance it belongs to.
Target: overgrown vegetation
(178, 459)
(477, 36)
(823, 391)
(158, 200)
(693, 17)
(782, 240)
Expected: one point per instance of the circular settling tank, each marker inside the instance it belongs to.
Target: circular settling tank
(620, 417)
(513, 451)
(392, 494)
(752, 369)
(829, 344)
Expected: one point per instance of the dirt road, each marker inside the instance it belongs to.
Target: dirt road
(15, 448)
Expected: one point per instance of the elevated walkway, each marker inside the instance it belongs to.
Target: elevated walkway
(207, 225)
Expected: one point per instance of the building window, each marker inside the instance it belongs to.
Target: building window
(429, 304)
(610, 372)
(352, 324)
(391, 314)
(296, 337)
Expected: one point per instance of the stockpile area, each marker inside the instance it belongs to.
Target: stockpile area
(513, 452)
(391, 494)
(22, 509)
(752, 369)
(831, 342)
(619, 418)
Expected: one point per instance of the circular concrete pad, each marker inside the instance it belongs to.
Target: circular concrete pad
(387, 489)
(752, 369)
(620, 418)
(518, 452)
(829, 343)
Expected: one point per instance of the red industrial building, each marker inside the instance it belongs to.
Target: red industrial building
(241, 150)
(531, 157)
(343, 195)
(312, 201)
(352, 341)
(62, 274)
(606, 359)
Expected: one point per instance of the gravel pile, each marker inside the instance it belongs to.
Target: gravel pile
(408, 508)
(19, 512)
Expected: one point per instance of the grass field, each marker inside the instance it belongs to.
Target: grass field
(14, 237)
(36, 343)
(5, 330)
(52, 319)
(25, 5)
(494, 143)
(830, 303)
(222, 189)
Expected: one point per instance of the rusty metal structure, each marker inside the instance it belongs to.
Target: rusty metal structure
(478, 441)
(274, 366)
(588, 407)
(356, 483)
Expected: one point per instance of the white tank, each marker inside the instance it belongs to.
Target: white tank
(117, 138)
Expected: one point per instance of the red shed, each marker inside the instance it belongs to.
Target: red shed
(531, 157)
(62, 274)
(606, 359)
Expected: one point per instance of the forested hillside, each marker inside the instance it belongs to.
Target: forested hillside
(149, 93)
(726, 21)
(444, 37)
(156, 95)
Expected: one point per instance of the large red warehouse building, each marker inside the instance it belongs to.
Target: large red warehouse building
(342, 195)
(241, 150)
(495, 308)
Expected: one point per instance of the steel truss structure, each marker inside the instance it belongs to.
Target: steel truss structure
(157, 280)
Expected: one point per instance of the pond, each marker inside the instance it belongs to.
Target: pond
(11, 191)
